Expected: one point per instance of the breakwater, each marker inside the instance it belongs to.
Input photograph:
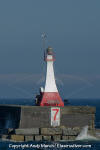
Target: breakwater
(29, 123)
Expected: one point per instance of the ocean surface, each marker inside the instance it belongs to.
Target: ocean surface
(80, 144)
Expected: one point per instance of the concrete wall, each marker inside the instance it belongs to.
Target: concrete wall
(70, 116)
(40, 117)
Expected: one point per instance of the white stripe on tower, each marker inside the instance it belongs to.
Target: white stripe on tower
(50, 85)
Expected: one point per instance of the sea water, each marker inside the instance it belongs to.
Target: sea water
(83, 142)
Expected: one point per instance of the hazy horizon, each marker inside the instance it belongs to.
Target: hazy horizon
(73, 30)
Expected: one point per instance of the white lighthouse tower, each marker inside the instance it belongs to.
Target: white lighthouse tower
(51, 95)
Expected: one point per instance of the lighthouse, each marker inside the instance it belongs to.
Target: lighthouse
(50, 95)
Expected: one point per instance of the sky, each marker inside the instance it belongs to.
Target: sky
(73, 30)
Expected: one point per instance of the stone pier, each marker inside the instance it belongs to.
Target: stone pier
(33, 123)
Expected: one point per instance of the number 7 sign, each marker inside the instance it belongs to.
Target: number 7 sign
(55, 116)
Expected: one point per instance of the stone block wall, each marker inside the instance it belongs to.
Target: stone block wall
(39, 134)
(43, 134)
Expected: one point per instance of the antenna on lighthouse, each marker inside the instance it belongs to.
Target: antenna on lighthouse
(44, 36)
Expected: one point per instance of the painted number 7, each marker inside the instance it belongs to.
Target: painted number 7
(56, 112)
